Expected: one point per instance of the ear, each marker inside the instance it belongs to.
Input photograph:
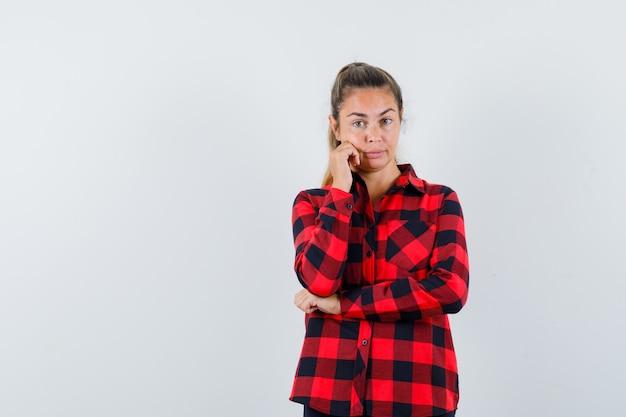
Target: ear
(333, 125)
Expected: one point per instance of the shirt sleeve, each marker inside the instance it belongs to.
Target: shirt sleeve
(442, 291)
(321, 240)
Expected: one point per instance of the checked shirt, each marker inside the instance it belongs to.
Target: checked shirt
(399, 266)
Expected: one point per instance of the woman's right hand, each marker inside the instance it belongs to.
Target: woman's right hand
(341, 158)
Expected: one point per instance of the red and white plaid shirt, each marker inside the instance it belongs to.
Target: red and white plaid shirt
(400, 266)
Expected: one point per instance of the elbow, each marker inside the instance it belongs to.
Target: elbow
(454, 306)
(322, 287)
(323, 292)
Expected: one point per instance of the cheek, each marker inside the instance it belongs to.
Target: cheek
(349, 134)
(392, 135)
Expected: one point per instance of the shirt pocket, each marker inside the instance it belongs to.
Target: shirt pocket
(408, 246)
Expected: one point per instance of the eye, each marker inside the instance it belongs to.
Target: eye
(386, 121)
(358, 123)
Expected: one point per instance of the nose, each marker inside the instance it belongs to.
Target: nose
(373, 133)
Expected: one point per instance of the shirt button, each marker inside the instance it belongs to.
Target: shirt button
(349, 206)
(364, 342)
(371, 225)
(369, 253)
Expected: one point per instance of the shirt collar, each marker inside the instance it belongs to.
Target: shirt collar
(408, 177)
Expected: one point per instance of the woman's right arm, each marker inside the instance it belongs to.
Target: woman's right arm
(321, 232)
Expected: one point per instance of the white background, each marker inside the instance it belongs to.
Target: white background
(150, 152)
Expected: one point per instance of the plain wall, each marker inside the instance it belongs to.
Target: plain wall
(150, 153)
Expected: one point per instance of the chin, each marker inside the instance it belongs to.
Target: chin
(379, 163)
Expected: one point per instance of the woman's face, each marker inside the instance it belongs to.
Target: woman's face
(370, 120)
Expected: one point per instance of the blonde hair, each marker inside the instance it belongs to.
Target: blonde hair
(350, 77)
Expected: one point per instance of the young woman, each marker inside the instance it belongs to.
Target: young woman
(381, 255)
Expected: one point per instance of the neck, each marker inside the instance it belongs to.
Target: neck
(379, 182)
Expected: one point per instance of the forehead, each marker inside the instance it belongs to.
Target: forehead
(366, 100)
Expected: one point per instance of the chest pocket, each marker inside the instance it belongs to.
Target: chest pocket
(408, 245)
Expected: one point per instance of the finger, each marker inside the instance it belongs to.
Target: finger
(300, 296)
(351, 153)
(305, 301)
(355, 159)
(307, 309)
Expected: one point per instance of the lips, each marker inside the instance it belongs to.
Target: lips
(374, 153)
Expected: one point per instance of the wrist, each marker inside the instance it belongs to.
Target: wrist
(341, 185)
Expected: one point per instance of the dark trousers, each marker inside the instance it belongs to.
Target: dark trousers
(309, 412)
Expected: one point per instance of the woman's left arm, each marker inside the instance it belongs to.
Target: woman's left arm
(443, 291)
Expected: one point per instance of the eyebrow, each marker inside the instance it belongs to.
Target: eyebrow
(365, 115)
